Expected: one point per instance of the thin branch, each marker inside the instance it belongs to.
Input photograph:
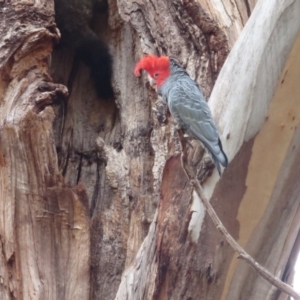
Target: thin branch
(219, 225)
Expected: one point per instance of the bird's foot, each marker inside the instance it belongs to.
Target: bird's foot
(160, 110)
(205, 169)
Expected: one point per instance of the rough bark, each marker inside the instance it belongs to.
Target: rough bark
(94, 201)
(45, 236)
(182, 271)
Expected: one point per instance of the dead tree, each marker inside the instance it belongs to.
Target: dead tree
(94, 201)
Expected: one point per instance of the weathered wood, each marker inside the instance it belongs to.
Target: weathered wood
(249, 73)
(94, 201)
(44, 226)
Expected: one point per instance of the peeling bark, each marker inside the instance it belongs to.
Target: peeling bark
(44, 225)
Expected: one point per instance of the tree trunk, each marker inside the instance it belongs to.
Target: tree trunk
(94, 201)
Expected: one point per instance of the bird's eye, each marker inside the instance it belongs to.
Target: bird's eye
(155, 75)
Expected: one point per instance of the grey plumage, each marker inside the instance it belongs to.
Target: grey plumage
(191, 112)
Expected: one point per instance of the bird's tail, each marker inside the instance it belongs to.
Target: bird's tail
(220, 158)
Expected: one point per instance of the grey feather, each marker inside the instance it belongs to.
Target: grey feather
(190, 110)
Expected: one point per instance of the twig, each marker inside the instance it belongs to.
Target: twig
(219, 225)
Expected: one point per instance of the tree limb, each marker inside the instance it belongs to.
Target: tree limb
(219, 225)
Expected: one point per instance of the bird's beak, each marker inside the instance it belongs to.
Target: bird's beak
(152, 82)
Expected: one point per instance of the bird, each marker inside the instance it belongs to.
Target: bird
(186, 103)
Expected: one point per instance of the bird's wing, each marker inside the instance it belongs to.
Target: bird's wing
(189, 108)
